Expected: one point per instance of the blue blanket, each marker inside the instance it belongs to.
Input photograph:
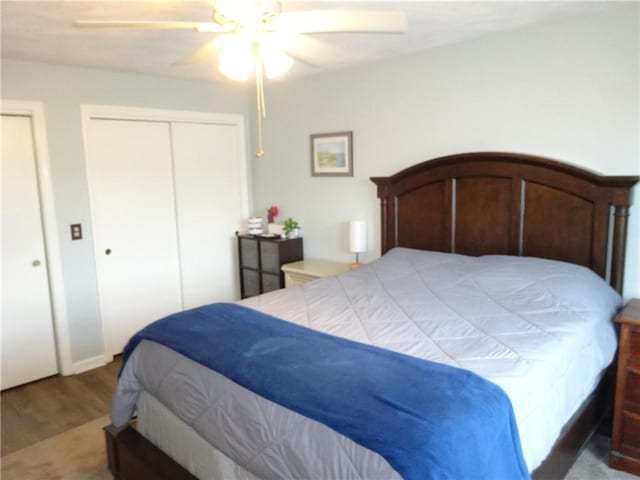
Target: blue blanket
(426, 419)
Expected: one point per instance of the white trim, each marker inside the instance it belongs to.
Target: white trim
(90, 363)
(35, 110)
(115, 112)
(244, 180)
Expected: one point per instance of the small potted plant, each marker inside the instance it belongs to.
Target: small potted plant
(291, 228)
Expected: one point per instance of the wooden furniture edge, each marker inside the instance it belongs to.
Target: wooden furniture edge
(130, 456)
(625, 464)
(315, 267)
(623, 181)
(619, 457)
(608, 194)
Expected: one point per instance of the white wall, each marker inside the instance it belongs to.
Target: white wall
(568, 91)
(62, 90)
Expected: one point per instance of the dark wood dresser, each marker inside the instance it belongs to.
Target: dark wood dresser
(260, 262)
(625, 440)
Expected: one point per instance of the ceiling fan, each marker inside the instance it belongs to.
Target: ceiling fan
(256, 36)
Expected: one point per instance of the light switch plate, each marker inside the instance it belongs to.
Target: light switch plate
(76, 231)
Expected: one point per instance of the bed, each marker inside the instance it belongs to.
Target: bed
(485, 213)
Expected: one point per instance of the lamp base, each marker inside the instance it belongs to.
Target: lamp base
(353, 266)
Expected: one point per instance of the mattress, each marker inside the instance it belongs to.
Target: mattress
(253, 437)
(164, 429)
(539, 329)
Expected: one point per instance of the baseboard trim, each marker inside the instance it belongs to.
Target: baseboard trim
(90, 363)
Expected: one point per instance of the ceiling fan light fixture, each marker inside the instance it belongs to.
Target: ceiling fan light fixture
(250, 14)
(253, 32)
(276, 63)
(236, 58)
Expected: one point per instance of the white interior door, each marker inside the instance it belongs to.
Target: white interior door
(134, 224)
(207, 165)
(28, 343)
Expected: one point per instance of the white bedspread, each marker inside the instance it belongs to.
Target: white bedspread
(541, 330)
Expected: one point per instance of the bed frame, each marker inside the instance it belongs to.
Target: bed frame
(514, 204)
(476, 204)
(511, 204)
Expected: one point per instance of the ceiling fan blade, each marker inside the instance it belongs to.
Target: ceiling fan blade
(340, 21)
(306, 50)
(157, 25)
(199, 54)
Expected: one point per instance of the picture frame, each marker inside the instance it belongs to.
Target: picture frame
(332, 154)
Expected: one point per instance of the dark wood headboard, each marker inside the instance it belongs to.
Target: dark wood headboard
(512, 204)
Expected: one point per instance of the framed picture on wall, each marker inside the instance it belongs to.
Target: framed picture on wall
(332, 154)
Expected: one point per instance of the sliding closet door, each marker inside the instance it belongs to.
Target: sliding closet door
(28, 344)
(208, 183)
(134, 224)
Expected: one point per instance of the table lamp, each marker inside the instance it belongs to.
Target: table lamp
(357, 239)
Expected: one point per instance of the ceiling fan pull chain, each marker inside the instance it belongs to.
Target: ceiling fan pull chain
(259, 99)
(260, 152)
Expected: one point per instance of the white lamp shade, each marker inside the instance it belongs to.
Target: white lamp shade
(357, 236)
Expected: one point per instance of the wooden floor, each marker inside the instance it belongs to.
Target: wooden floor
(39, 410)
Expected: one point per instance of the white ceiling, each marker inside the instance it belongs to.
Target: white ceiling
(42, 31)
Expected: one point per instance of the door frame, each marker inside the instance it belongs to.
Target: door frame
(35, 111)
(116, 112)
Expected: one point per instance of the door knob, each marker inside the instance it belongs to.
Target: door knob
(35, 263)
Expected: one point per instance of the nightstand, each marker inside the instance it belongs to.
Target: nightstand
(298, 273)
(260, 261)
(625, 441)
